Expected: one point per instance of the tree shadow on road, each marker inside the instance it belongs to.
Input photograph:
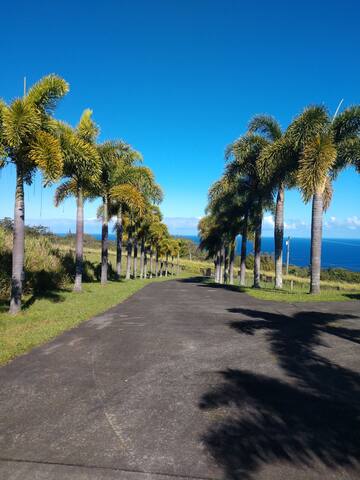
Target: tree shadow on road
(311, 416)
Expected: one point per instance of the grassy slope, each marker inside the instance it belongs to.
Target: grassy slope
(49, 316)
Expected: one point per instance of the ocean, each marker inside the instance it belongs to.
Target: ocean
(336, 252)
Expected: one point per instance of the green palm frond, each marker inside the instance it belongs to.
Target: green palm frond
(347, 124)
(265, 125)
(81, 158)
(46, 153)
(65, 190)
(46, 93)
(128, 195)
(87, 129)
(313, 121)
(219, 188)
(348, 153)
(317, 158)
(277, 161)
(20, 122)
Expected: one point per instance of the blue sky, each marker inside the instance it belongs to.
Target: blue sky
(179, 80)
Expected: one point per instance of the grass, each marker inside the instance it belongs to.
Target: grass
(43, 318)
(299, 295)
(300, 292)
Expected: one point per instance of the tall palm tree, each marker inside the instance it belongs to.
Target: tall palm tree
(276, 164)
(133, 203)
(157, 232)
(113, 161)
(29, 141)
(123, 174)
(244, 154)
(81, 171)
(323, 145)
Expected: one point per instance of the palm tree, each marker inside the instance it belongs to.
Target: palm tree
(157, 232)
(124, 199)
(132, 203)
(143, 179)
(245, 153)
(113, 161)
(122, 175)
(152, 215)
(29, 141)
(324, 145)
(82, 170)
(276, 164)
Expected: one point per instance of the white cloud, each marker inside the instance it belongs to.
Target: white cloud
(353, 222)
(350, 223)
(268, 222)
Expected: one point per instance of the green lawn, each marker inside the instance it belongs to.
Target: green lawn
(298, 294)
(269, 293)
(44, 318)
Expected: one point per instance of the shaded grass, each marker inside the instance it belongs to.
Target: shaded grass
(46, 316)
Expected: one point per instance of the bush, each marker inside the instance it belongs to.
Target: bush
(44, 265)
(267, 262)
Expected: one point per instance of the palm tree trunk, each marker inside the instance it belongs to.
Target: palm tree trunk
(119, 235)
(151, 262)
(135, 257)
(79, 240)
(316, 238)
(172, 265)
(257, 252)
(226, 263)
(157, 263)
(178, 264)
(231, 262)
(221, 268)
(243, 254)
(145, 263)
(279, 236)
(166, 265)
(18, 244)
(217, 267)
(142, 255)
(104, 241)
(128, 257)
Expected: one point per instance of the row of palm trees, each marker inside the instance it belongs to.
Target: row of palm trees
(261, 165)
(33, 140)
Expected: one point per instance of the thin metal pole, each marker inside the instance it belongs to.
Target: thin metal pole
(337, 110)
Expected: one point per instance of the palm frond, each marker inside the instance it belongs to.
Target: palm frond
(277, 161)
(65, 190)
(46, 93)
(20, 122)
(265, 125)
(313, 121)
(348, 153)
(347, 124)
(327, 194)
(317, 158)
(87, 128)
(81, 158)
(128, 195)
(46, 153)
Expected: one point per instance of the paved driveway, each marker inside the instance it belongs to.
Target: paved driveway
(186, 380)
